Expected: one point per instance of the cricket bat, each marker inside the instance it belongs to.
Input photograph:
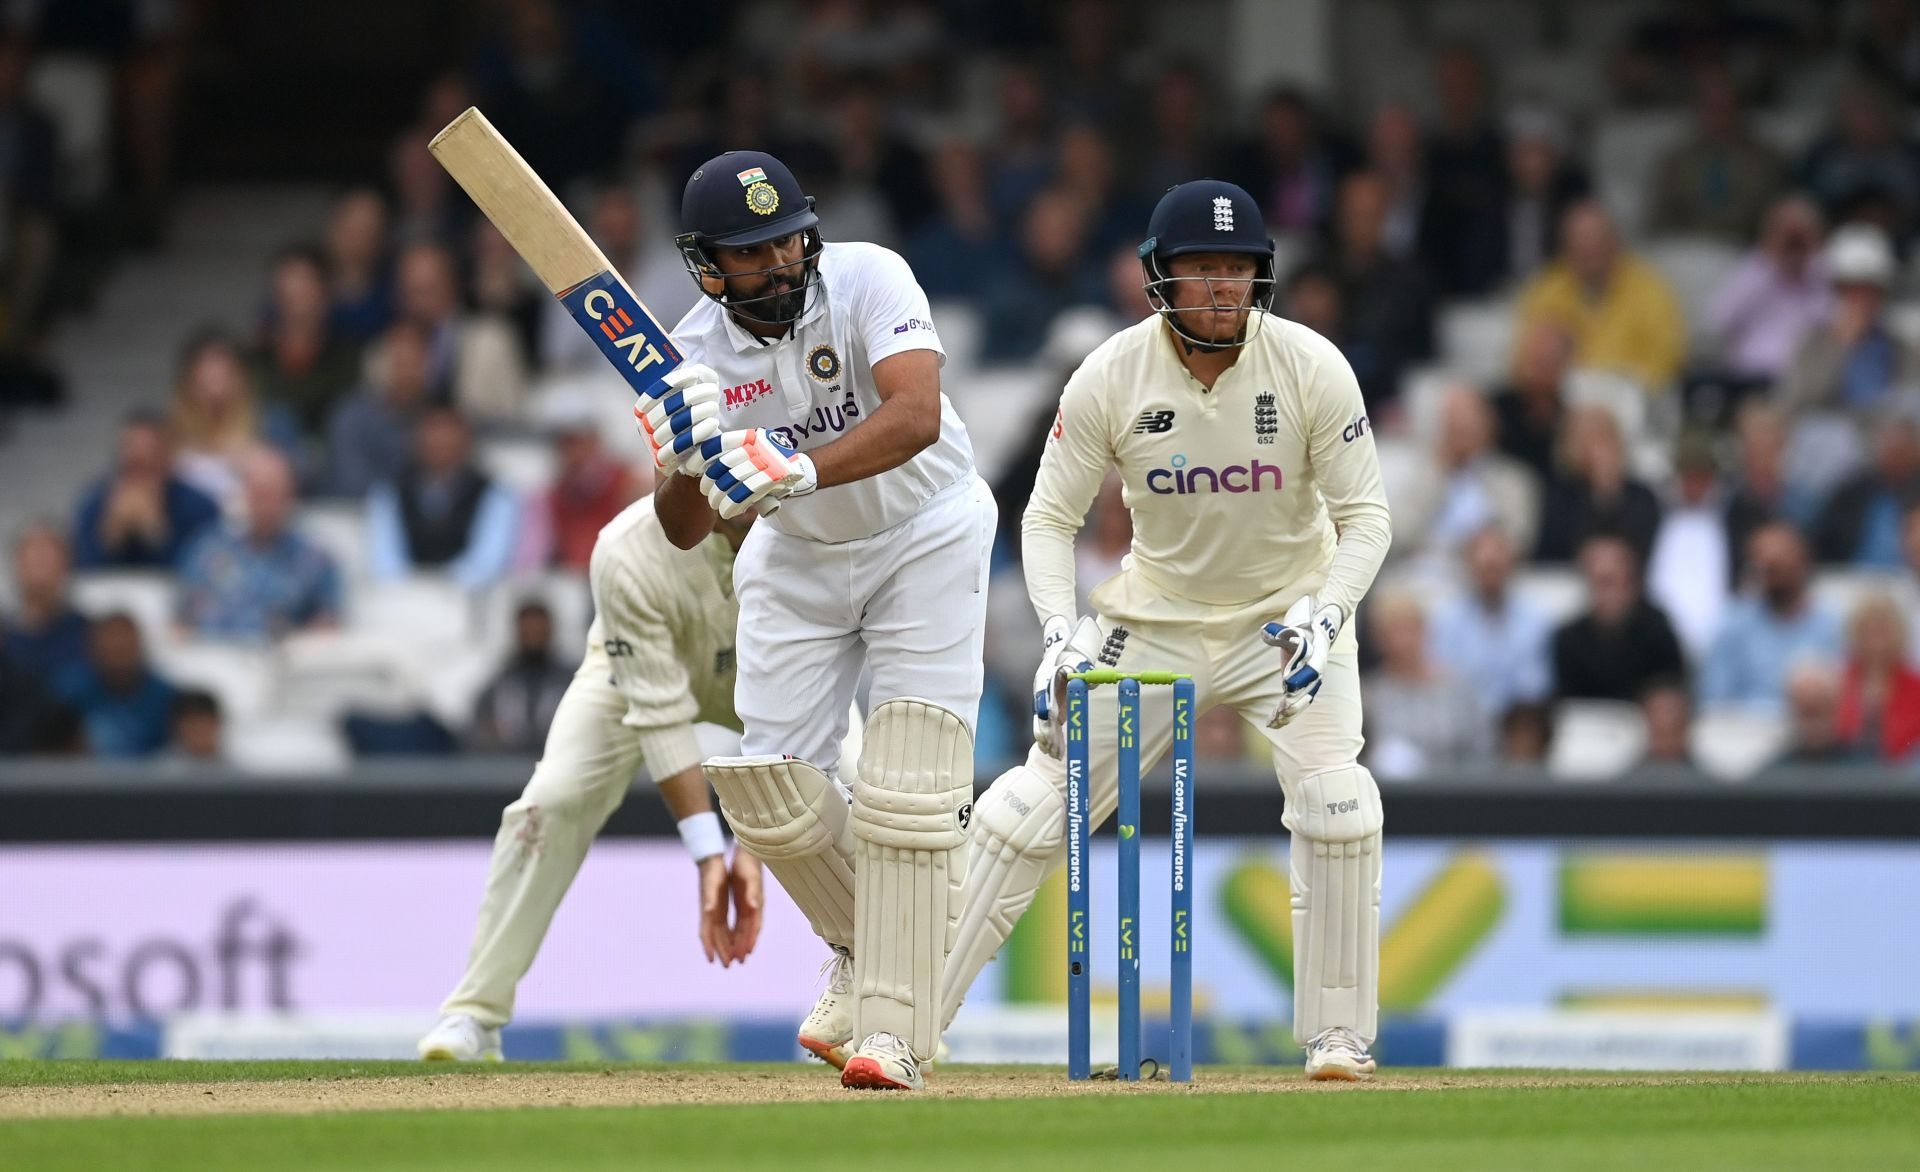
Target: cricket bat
(557, 248)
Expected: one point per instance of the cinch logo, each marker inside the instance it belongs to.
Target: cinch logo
(1180, 480)
(746, 393)
(1355, 430)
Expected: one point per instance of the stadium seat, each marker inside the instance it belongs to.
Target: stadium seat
(1696, 267)
(146, 595)
(460, 673)
(999, 407)
(1476, 339)
(523, 465)
(1903, 319)
(326, 673)
(339, 528)
(1557, 591)
(1790, 129)
(1595, 740)
(1733, 744)
(287, 745)
(1839, 591)
(1617, 393)
(567, 596)
(422, 608)
(1626, 152)
(959, 326)
(245, 678)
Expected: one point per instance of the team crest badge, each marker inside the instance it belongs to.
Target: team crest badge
(823, 363)
(762, 199)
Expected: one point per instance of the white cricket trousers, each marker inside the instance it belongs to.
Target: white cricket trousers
(908, 603)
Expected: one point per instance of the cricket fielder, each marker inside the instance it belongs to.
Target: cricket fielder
(660, 657)
(811, 391)
(1243, 449)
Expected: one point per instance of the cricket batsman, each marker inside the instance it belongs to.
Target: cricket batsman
(1259, 521)
(660, 658)
(811, 391)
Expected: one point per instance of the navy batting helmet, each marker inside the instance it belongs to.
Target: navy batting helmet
(738, 200)
(1207, 215)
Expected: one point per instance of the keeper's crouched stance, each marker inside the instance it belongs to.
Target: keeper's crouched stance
(1259, 521)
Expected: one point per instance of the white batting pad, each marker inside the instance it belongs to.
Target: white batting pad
(1019, 835)
(912, 802)
(1336, 903)
(793, 818)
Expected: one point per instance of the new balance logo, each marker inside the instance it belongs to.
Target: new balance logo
(1222, 214)
(1153, 423)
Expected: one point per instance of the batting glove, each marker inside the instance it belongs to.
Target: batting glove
(682, 414)
(1305, 636)
(742, 469)
(1064, 649)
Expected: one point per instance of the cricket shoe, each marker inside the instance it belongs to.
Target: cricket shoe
(884, 1062)
(1338, 1055)
(828, 1030)
(459, 1038)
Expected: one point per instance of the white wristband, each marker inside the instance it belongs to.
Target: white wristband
(701, 834)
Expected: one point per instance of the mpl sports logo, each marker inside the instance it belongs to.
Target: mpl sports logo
(1182, 480)
(747, 392)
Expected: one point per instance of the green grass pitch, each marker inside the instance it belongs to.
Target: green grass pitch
(1493, 1121)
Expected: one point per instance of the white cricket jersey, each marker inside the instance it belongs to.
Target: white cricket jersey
(1265, 487)
(664, 618)
(816, 383)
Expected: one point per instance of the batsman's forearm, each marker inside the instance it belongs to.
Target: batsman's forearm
(685, 516)
(897, 431)
(686, 794)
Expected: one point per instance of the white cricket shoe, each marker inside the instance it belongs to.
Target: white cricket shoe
(1338, 1055)
(459, 1038)
(828, 1030)
(884, 1062)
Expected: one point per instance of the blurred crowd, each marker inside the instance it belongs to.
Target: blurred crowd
(1653, 455)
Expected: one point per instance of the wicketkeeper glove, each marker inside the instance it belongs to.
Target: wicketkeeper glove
(1305, 636)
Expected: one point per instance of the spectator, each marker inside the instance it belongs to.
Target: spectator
(1464, 241)
(1687, 575)
(1594, 492)
(140, 515)
(644, 257)
(264, 580)
(1022, 140)
(1761, 490)
(1910, 581)
(1052, 273)
(1621, 312)
(1466, 485)
(1879, 711)
(1624, 644)
(442, 513)
(1769, 630)
(1544, 185)
(370, 437)
(47, 635)
(1718, 181)
(1083, 167)
(1853, 360)
(1109, 539)
(1526, 734)
(1419, 718)
(30, 194)
(300, 366)
(955, 249)
(1491, 634)
(1887, 46)
(1396, 156)
(514, 711)
(1312, 297)
(356, 250)
(561, 524)
(1389, 302)
(424, 210)
(1775, 296)
(503, 289)
(1861, 524)
(1532, 407)
(214, 418)
(876, 170)
(1220, 735)
(1669, 715)
(198, 729)
(1866, 158)
(124, 708)
(1813, 708)
(1180, 143)
(31, 720)
(475, 356)
(1126, 287)
(1291, 166)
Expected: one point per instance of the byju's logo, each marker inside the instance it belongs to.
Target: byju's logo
(1181, 480)
(1153, 423)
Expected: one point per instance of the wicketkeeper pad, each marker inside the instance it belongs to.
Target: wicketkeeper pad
(793, 818)
(1335, 871)
(912, 802)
